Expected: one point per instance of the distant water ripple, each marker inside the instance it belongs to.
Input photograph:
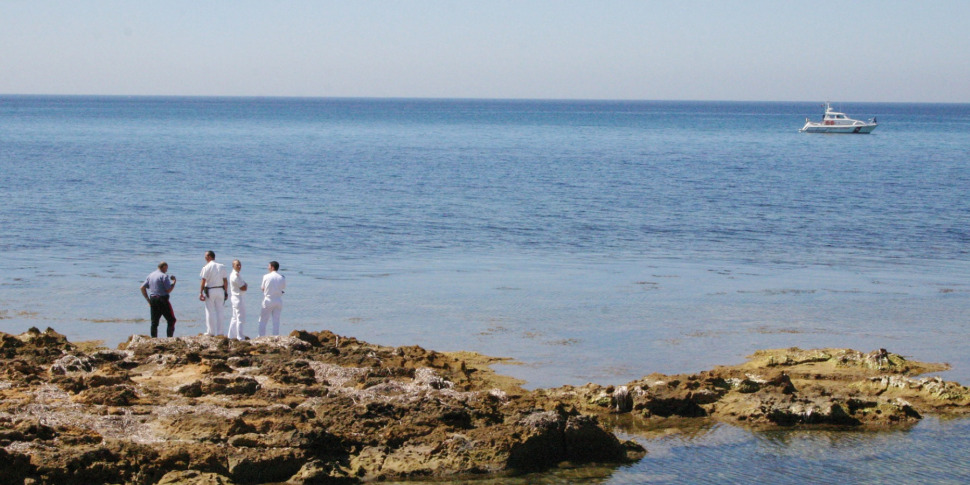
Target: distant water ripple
(591, 241)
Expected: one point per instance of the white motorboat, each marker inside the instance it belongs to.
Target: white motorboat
(836, 122)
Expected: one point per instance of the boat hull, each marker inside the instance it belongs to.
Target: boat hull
(863, 129)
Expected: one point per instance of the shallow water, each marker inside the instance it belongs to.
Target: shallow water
(934, 451)
(591, 241)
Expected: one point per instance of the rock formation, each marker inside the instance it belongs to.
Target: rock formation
(320, 408)
(783, 388)
(308, 408)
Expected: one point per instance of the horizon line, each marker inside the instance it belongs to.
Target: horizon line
(430, 98)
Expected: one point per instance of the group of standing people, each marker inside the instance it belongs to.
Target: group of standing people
(214, 289)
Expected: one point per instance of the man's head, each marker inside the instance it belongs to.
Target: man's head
(236, 265)
(273, 266)
(210, 256)
(163, 267)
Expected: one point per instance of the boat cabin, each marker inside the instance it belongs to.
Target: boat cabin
(834, 117)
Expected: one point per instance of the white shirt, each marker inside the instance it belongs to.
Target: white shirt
(236, 282)
(273, 285)
(213, 273)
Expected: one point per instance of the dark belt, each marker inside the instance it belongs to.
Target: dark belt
(158, 297)
(207, 288)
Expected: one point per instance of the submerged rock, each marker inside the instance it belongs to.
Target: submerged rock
(314, 407)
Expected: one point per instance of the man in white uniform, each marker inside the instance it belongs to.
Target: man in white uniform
(237, 288)
(213, 291)
(273, 286)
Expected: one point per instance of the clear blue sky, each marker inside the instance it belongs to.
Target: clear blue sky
(849, 50)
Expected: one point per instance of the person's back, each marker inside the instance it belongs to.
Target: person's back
(214, 273)
(158, 283)
(213, 291)
(273, 285)
(156, 289)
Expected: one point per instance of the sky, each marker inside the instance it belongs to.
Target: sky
(750, 50)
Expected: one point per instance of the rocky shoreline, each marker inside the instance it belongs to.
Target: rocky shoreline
(322, 408)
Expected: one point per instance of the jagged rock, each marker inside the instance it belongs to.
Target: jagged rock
(585, 440)
(113, 395)
(321, 472)
(622, 401)
(292, 372)
(314, 407)
(265, 465)
(230, 385)
(192, 389)
(16, 467)
(71, 363)
(194, 477)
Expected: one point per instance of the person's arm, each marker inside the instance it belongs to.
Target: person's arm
(244, 287)
(202, 290)
(236, 281)
(225, 288)
(172, 286)
(144, 292)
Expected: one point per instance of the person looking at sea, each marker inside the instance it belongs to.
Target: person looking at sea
(213, 279)
(156, 289)
(272, 286)
(237, 289)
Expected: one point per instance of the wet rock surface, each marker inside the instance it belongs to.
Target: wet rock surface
(321, 408)
(784, 388)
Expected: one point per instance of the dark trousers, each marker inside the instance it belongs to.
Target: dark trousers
(162, 308)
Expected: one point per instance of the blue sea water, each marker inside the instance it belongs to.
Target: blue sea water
(590, 241)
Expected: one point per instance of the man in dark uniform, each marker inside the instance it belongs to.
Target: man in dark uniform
(155, 289)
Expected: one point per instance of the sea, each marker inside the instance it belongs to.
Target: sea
(586, 241)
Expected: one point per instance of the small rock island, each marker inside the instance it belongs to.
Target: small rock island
(315, 407)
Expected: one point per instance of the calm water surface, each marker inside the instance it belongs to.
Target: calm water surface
(591, 241)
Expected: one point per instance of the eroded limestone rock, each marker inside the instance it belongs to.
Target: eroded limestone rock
(305, 408)
(790, 387)
(314, 407)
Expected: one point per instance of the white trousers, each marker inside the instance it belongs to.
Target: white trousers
(238, 319)
(271, 308)
(213, 311)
